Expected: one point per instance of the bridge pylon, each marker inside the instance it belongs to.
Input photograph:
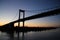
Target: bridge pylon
(23, 11)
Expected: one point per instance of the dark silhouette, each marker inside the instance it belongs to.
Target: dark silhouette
(45, 14)
(9, 28)
(25, 29)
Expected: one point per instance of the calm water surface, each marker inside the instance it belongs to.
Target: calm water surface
(53, 34)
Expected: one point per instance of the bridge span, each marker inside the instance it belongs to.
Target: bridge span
(40, 15)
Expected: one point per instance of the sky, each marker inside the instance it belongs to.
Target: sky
(9, 11)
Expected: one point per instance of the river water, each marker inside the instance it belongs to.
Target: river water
(53, 34)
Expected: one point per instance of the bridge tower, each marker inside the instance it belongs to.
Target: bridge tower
(23, 11)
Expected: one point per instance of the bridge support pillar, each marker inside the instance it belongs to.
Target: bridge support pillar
(20, 16)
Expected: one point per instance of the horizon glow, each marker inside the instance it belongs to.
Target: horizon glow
(10, 8)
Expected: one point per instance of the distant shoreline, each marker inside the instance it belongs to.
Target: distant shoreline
(25, 29)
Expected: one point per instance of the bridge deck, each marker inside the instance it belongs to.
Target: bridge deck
(45, 14)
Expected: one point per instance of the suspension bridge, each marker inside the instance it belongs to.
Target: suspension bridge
(40, 15)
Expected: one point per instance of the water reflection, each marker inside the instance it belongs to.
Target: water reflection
(37, 35)
(18, 36)
(11, 35)
(22, 35)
